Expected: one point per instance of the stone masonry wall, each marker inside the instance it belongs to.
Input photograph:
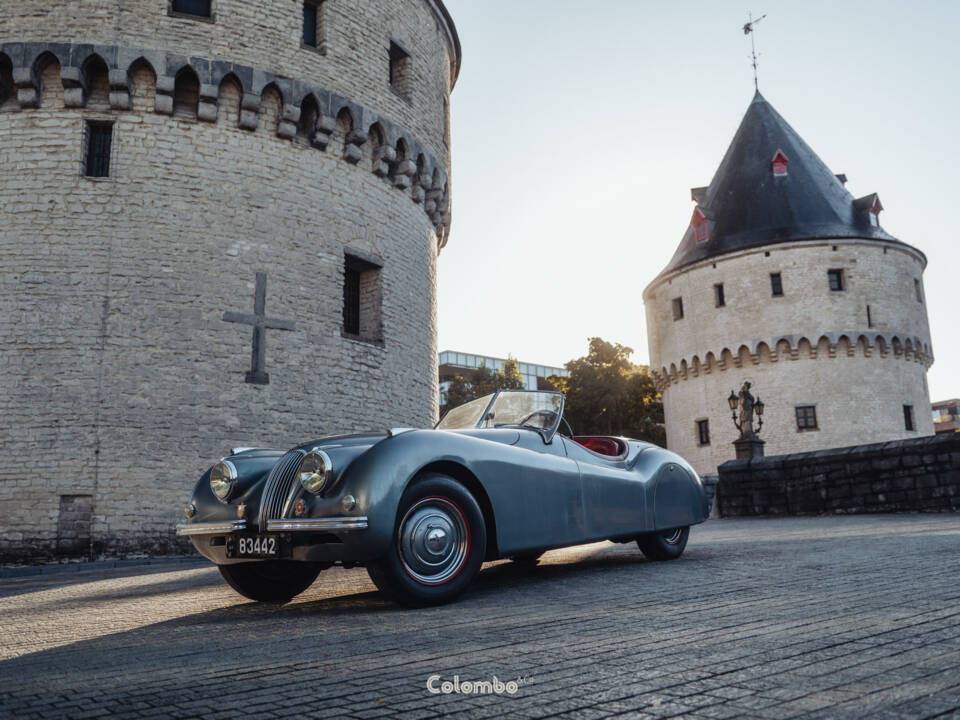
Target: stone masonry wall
(810, 346)
(922, 474)
(122, 382)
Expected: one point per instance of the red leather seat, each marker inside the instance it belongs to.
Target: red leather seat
(614, 447)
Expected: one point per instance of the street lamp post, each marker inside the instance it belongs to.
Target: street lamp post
(748, 445)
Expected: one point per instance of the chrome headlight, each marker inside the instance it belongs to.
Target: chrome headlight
(223, 480)
(315, 470)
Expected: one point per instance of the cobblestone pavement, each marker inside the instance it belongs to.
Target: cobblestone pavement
(822, 617)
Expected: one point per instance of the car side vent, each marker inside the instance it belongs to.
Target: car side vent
(278, 486)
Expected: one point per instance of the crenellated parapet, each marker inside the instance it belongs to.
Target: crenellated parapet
(786, 348)
(197, 88)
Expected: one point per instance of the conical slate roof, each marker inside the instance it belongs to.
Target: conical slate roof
(746, 205)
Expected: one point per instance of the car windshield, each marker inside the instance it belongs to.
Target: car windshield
(517, 408)
(465, 416)
(537, 410)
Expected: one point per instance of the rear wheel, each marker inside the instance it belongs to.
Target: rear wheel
(438, 544)
(270, 580)
(664, 545)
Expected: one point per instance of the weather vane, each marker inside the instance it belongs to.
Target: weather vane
(748, 30)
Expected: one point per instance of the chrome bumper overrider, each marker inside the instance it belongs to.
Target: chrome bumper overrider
(330, 523)
(212, 528)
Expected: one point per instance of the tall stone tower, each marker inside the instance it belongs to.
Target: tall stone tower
(785, 280)
(220, 226)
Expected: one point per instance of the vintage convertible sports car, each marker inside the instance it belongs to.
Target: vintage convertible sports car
(423, 509)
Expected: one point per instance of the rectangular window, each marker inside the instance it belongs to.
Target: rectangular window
(197, 8)
(835, 278)
(351, 300)
(703, 432)
(918, 290)
(313, 35)
(908, 423)
(678, 308)
(869, 318)
(99, 142)
(806, 417)
(776, 284)
(718, 299)
(362, 299)
(399, 69)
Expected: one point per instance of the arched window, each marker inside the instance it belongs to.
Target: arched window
(271, 104)
(96, 76)
(229, 96)
(7, 92)
(186, 94)
(309, 112)
(143, 85)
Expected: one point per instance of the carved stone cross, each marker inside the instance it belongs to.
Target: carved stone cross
(260, 322)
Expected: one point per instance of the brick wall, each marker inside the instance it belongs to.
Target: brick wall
(900, 476)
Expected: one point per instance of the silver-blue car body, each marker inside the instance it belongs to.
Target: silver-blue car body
(423, 509)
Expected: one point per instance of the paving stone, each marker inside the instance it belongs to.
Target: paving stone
(802, 617)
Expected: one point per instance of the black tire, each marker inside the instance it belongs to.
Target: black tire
(439, 542)
(664, 545)
(527, 559)
(270, 580)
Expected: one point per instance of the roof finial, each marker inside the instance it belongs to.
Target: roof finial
(748, 30)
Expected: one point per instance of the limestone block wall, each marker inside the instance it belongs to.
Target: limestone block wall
(122, 381)
(811, 346)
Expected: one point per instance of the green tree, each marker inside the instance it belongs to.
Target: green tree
(609, 395)
(510, 378)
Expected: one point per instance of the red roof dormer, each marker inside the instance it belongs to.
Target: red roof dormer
(700, 225)
(779, 163)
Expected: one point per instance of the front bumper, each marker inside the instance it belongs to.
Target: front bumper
(325, 540)
(284, 525)
(317, 524)
(212, 528)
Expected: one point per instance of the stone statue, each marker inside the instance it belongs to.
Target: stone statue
(746, 411)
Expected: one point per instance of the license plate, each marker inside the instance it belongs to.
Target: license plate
(254, 546)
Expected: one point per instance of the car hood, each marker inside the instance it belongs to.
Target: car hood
(365, 439)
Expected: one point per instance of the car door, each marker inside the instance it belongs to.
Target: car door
(614, 496)
(536, 493)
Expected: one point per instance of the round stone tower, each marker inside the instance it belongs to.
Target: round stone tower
(785, 280)
(220, 227)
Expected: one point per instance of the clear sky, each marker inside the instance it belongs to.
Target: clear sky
(579, 128)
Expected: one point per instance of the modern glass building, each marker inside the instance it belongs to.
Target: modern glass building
(452, 363)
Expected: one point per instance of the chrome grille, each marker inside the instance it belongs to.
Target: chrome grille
(278, 486)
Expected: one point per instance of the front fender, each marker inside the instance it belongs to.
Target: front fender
(252, 471)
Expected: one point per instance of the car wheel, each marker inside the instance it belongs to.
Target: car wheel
(438, 545)
(664, 545)
(270, 580)
(528, 559)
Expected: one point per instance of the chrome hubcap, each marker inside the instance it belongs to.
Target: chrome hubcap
(672, 537)
(433, 541)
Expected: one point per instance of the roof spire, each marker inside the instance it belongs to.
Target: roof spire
(748, 30)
